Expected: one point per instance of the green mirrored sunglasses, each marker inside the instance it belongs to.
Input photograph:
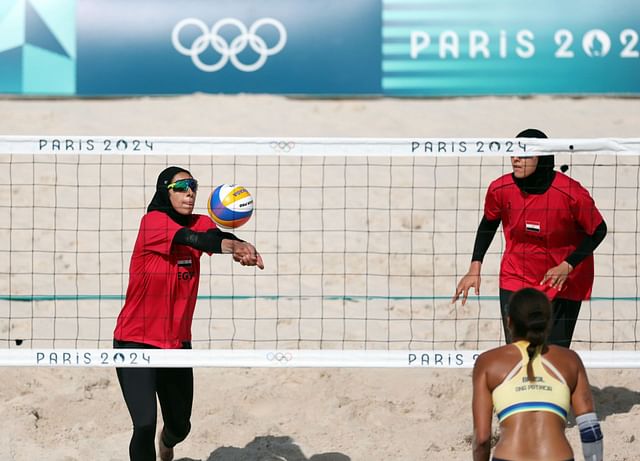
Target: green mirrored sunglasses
(181, 185)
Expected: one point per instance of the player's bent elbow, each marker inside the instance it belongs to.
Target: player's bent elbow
(481, 440)
(481, 451)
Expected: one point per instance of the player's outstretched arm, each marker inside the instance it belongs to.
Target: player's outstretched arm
(486, 231)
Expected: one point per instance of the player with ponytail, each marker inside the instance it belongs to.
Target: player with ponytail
(532, 386)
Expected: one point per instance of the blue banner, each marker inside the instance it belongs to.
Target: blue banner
(319, 47)
(477, 47)
(135, 47)
(228, 46)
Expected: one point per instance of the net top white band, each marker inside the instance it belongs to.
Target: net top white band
(455, 147)
(276, 358)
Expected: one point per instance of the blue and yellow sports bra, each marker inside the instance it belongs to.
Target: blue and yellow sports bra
(516, 394)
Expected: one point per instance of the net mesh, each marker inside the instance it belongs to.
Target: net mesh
(362, 250)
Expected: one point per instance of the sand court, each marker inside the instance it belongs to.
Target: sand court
(293, 414)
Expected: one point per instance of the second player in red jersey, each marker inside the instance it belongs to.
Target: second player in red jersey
(551, 227)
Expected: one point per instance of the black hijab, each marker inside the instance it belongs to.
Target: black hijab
(540, 180)
(161, 201)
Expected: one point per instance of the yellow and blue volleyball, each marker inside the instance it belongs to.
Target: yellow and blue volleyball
(230, 205)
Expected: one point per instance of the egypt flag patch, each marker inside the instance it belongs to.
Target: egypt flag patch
(532, 226)
(184, 262)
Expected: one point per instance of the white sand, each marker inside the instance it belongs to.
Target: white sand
(297, 414)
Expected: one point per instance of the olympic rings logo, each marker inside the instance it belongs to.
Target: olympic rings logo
(228, 51)
(279, 356)
(282, 146)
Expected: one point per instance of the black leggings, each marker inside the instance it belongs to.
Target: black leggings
(565, 317)
(174, 388)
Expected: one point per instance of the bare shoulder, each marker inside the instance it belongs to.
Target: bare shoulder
(496, 356)
(567, 361)
(495, 364)
(563, 353)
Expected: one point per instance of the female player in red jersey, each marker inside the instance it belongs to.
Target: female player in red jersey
(532, 386)
(159, 306)
(551, 227)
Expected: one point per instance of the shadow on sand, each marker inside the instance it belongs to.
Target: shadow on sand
(269, 448)
(613, 400)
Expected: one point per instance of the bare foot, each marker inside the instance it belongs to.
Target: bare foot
(166, 453)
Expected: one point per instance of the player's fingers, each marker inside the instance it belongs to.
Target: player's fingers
(259, 261)
(456, 295)
(249, 255)
(544, 279)
(561, 281)
(459, 290)
(465, 294)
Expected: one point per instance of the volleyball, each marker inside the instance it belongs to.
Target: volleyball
(230, 205)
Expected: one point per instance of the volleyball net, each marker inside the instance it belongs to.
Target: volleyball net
(364, 241)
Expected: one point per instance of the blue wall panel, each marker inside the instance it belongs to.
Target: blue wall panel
(320, 47)
(331, 47)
